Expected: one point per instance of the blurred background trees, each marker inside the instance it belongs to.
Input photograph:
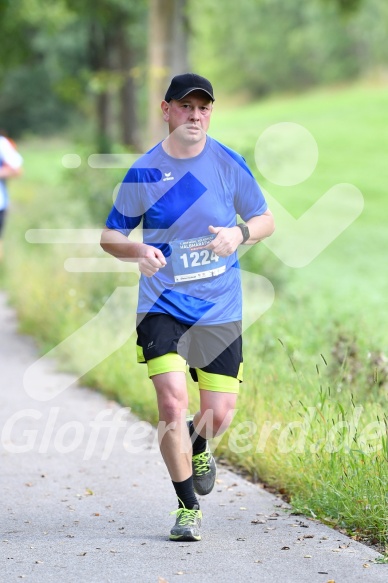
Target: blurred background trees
(100, 67)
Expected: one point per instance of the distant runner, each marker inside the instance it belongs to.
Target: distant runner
(10, 166)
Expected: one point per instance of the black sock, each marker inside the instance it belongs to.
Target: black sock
(199, 442)
(185, 492)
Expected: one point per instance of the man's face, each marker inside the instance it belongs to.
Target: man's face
(188, 118)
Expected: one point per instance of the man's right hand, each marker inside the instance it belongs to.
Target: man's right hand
(151, 260)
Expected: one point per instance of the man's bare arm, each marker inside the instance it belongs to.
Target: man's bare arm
(260, 227)
(150, 259)
(229, 238)
(7, 171)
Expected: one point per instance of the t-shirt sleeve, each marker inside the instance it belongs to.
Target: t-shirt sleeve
(9, 155)
(127, 210)
(249, 199)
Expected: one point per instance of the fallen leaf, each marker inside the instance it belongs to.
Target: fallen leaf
(366, 566)
(285, 549)
(81, 554)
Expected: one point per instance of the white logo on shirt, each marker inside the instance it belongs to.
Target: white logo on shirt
(167, 176)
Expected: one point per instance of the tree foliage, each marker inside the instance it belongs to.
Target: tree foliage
(104, 60)
(67, 56)
(345, 6)
(261, 46)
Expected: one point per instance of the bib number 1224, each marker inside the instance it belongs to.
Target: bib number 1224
(198, 258)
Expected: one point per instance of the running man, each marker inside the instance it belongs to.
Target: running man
(187, 191)
(10, 166)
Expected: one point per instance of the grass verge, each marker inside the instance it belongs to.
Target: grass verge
(311, 415)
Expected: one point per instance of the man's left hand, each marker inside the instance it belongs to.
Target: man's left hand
(226, 241)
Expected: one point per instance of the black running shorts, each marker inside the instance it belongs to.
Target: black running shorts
(214, 349)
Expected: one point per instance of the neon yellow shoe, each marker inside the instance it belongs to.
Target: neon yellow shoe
(188, 522)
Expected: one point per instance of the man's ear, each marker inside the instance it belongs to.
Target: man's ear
(165, 110)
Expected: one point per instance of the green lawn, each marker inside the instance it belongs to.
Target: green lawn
(311, 416)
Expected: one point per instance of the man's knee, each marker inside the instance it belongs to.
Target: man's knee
(222, 419)
(172, 410)
(171, 395)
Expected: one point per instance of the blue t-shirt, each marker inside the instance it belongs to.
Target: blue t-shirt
(177, 200)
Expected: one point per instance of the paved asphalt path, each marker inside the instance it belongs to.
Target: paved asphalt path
(80, 504)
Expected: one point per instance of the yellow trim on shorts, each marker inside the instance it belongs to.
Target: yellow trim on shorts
(219, 382)
(139, 354)
(173, 362)
(170, 362)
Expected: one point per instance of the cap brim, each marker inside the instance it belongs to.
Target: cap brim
(186, 92)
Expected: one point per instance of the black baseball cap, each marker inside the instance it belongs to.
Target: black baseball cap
(182, 85)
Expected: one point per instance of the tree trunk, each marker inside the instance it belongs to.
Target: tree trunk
(103, 108)
(127, 95)
(168, 32)
(99, 53)
(179, 47)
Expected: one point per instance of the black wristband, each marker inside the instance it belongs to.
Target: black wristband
(245, 232)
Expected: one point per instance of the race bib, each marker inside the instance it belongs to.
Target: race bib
(191, 261)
